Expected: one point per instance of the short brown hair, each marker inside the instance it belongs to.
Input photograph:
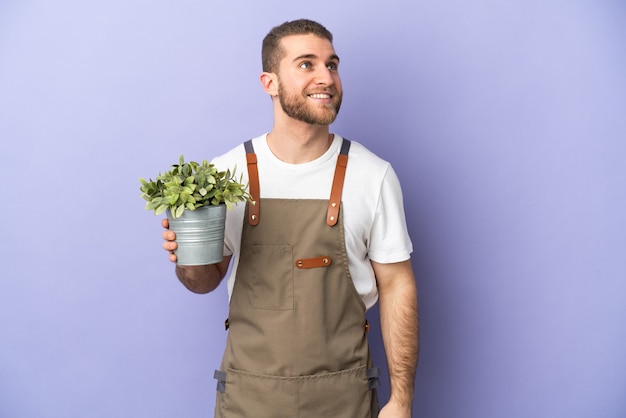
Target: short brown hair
(272, 53)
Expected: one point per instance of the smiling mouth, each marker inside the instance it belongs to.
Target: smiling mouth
(320, 96)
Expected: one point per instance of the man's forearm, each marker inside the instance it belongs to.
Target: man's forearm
(400, 329)
(202, 279)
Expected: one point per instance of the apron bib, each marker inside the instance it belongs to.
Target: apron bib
(297, 344)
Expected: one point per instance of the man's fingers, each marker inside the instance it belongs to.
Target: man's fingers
(169, 245)
(169, 235)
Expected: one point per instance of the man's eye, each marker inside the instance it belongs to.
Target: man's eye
(332, 66)
(305, 65)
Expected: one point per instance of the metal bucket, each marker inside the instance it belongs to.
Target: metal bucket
(199, 235)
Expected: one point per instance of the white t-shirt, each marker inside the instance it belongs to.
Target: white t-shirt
(373, 211)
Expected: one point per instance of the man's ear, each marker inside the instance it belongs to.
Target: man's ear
(269, 81)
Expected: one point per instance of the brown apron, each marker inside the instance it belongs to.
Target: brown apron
(297, 344)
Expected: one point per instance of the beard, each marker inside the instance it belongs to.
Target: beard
(297, 107)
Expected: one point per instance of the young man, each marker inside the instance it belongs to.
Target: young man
(324, 238)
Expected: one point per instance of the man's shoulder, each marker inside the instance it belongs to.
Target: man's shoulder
(234, 155)
(362, 156)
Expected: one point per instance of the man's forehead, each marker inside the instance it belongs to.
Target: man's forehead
(307, 45)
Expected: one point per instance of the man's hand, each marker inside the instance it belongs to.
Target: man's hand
(198, 279)
(392, 410)
(170, 240)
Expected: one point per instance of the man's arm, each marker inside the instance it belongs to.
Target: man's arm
(198, 279)
(400, 329)
(202, 279)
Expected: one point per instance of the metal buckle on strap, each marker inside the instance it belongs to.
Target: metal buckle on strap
(373, 375)
(220, 376)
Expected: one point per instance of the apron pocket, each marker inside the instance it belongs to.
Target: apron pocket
(343, 394)
(250, 395)
(271, 287)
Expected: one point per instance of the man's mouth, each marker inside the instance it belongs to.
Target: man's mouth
(321, 96)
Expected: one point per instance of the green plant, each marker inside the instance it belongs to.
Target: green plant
(188, 186)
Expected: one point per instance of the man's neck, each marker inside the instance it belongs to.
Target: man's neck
(299, 143)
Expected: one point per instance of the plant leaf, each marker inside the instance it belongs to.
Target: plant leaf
(160, 209)
(179, 211)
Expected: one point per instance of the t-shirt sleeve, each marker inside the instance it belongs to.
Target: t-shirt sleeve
(389, 237)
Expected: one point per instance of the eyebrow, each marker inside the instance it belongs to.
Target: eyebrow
(334, 57)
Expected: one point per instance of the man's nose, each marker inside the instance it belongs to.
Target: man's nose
(324, 76)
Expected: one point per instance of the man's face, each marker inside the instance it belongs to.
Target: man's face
(309, 87)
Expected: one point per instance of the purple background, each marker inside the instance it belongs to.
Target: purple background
(504, 120)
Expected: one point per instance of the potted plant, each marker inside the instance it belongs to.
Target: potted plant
(195, 197)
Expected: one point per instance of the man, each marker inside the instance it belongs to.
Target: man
(323, 239)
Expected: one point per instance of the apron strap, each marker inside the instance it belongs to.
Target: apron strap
(335, 193)
(254, 205)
